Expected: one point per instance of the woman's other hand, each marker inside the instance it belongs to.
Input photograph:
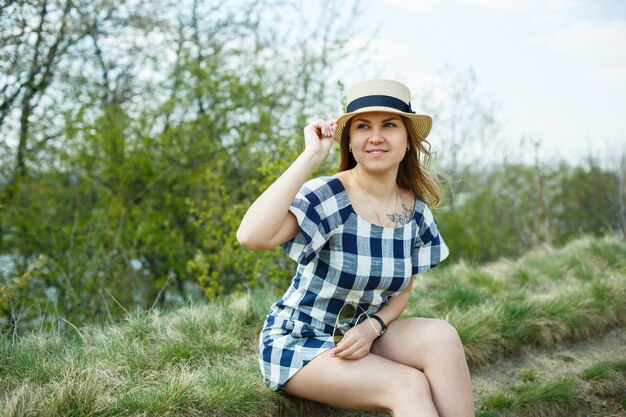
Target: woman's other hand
(356, 343)
(318, 139)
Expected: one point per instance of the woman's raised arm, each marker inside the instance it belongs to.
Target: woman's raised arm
(268, 222)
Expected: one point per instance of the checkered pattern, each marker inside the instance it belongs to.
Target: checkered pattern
(341, 258)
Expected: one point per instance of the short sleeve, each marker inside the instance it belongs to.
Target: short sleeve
(315, 206)
(429, 248)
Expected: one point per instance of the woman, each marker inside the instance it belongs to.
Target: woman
(359, 239)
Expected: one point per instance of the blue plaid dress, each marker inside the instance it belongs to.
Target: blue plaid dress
(341, 258)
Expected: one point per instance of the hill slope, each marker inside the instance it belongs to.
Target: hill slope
(520, 322)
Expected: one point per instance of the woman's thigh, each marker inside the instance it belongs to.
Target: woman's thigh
(415, 341)
(371, 383)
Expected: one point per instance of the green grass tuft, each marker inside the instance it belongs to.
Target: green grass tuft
(604, 370)
(533, 394)
(529, 375)
(488, 414)
(458, 296)
(557, 397)
(499, 400)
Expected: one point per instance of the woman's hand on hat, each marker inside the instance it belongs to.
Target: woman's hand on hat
(318, 138)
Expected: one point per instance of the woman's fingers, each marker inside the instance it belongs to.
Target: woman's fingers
(325, 129)
(356, 351)
(350, 351)
(318, 138)
(351, 348)
(332, 128)
(356, 343)
(345, 344)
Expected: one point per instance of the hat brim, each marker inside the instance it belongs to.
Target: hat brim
(420, 124)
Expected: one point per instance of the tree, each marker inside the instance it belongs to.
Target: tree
(164, 124)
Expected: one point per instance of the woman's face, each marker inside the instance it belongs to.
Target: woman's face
(378, 140)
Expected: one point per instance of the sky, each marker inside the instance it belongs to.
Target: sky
(556, 69)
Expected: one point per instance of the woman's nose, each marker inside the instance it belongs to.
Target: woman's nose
(376, 136)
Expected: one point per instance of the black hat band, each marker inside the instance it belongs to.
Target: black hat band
(382, 101)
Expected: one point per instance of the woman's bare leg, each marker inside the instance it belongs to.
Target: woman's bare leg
(433, 347)
(371, 383)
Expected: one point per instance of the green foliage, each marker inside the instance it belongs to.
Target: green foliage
(137, 202)
(222, 265)
(510, 208)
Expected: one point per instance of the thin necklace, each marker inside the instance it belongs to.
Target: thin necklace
(370, 201)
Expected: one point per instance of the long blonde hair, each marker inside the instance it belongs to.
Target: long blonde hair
(413, 175)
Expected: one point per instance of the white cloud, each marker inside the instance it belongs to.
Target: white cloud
(549, 19)
(502, 6)
(390, 59)
(559, 5)
(520, 6)
(610, 77)
(593, 39)
(374, 57)
(414, 5)
(379, 47)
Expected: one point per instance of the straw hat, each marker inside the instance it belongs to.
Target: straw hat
(383, 95)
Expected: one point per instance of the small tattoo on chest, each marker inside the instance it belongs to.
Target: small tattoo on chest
(399, 219)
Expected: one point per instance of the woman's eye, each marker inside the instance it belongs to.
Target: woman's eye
(390, 124)
(362, 126)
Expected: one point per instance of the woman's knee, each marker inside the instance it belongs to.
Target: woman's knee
(444, 338)
(412, 386)
(416, 382)
(411, 382)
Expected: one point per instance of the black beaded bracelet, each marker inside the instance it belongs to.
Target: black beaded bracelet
(382, 324)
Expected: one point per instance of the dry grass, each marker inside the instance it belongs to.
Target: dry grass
(201, 360)
(195, 361)
(595, 365)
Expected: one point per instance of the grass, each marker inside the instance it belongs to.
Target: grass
(560, 396)
(201, 359)
(551, 398)
(604, 370)
(540, 300)
(195, 361)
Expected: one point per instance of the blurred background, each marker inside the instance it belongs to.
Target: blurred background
(135, 134)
